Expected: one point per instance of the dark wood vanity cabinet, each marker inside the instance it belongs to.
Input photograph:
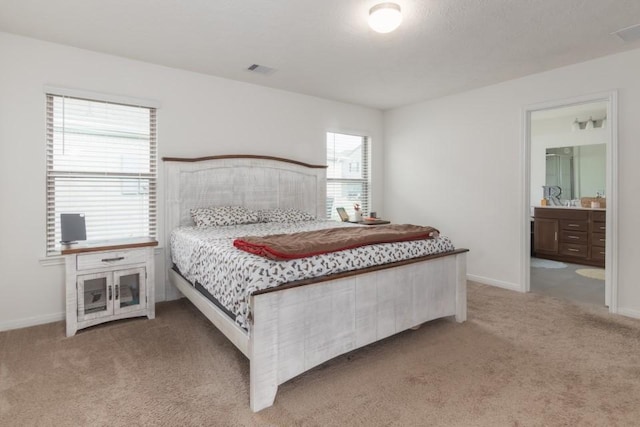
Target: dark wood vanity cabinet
(598, 235)
(545, 236)
(572, 235)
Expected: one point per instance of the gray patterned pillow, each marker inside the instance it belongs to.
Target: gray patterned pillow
(223, 215)
(284, 215)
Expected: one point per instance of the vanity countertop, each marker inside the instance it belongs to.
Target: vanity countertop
(571, 207)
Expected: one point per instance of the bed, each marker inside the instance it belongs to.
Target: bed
(293, 327)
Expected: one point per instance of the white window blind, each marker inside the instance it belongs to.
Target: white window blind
(101, 162)
(347, 174)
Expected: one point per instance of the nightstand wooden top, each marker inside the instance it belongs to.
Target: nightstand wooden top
(372, 222)
(108, 245)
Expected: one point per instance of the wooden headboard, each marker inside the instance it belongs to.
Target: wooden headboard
(256, 182)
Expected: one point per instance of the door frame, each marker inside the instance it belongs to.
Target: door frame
(611, 245)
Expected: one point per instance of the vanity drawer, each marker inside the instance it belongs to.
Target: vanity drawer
(574, 225)
(597, 253)
(569, 249)
(562, 213)
(110, 259)
(599, 216)
(575, 237)
(598, 239)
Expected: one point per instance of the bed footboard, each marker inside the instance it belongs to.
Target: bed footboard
(296, 329)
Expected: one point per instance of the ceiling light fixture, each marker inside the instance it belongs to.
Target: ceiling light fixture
(385, 17)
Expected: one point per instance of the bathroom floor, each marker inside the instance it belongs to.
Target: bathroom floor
(560, 280)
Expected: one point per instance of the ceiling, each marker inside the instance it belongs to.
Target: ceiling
(325, 48)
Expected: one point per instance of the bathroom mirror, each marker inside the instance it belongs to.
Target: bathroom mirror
(579, 171)
(569, 151)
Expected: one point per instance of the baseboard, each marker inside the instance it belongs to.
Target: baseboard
(31, 321)
(629, 312)
(494, 282)
(171, 293)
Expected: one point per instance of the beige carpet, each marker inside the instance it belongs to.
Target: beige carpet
(592, 273)
(520, 360)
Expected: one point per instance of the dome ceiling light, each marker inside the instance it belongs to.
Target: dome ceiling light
(385, 17)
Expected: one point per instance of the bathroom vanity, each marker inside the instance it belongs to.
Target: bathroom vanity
(570, 234)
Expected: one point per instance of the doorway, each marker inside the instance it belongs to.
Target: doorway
(570, 188)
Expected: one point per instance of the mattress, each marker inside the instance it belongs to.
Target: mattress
(206, 256)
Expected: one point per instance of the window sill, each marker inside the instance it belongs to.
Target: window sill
(52, 260)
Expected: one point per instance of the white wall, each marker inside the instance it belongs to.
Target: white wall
(200, 115)
(455, 163)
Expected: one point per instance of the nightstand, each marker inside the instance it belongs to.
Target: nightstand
(109, 281)
(372, 222)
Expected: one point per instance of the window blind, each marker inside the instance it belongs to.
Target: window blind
(101, 162)
(347, 173)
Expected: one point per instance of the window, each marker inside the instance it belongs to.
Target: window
(101, 162)
(347, 174)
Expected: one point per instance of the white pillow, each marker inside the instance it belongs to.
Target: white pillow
(223, 215)
(284, 215)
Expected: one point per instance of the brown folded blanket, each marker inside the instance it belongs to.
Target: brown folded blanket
(310, 243)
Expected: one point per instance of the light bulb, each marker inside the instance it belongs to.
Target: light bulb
(385, 17)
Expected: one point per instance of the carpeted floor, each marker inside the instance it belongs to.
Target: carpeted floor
(520, 360)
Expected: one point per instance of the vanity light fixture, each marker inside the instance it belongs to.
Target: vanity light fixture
(589, 123)
(576, 125)
(385, 17)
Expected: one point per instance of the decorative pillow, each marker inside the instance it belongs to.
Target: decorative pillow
(284, 215)
(223, 215)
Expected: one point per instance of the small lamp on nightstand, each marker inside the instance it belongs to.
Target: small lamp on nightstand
(72, 228)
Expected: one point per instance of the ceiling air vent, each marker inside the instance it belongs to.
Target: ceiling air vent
(629, 34)
(261, 69)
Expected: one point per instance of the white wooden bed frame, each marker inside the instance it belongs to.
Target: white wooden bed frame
(296, 328)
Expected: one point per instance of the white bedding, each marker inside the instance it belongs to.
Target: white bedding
(207, 256)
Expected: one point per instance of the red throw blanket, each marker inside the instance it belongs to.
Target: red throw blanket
(310, 243)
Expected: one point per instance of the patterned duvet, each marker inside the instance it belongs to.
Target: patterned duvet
(207, 256)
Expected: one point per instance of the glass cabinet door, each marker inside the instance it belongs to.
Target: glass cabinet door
(95, 296)
(130, 292)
